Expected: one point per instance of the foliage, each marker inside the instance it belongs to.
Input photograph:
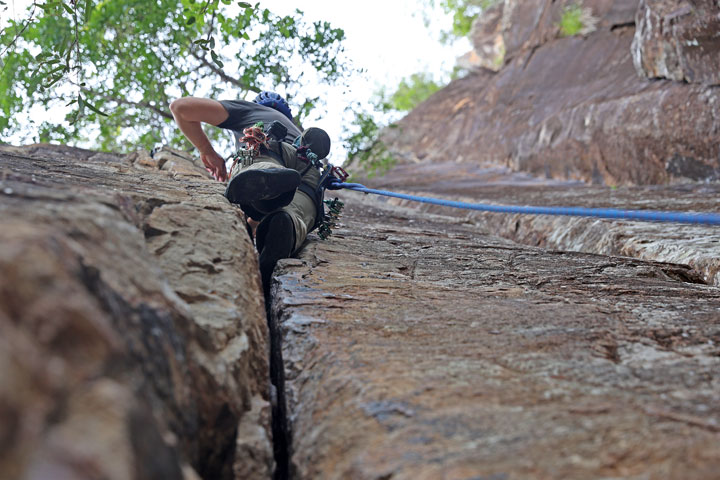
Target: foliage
(363, 137)
(463, 14)
(363, 143)
(411, 92)
(571, 21)
(117, 64)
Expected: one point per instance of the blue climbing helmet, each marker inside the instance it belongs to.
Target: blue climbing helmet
(274, 101)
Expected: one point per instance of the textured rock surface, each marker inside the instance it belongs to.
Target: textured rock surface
(569, 108)
(133, 339)
(418, 347)
(509, 27)
(528, 24)
(487, 41)
(695, 245)
(679, 40)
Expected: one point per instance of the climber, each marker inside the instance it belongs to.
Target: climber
(277, 186)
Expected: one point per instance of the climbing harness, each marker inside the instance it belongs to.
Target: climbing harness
(639, 215)
(256, 141)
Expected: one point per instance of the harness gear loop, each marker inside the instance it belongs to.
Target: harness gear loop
(308, 156)
(332, 177)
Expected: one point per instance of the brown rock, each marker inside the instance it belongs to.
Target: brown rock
(133, 339)
(679, 40)
(487, 41)
(572, 109)
(418, 347)
(528, 24)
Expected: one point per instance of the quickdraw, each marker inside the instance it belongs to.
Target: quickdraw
(330, 219)
(253, 137)
(334, 176)
(339, 173)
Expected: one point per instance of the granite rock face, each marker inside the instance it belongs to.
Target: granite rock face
(570, 108)
(133, 336)
(679, 40)
(416, 346)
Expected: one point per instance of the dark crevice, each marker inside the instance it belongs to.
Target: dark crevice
(683, 273)
(530, 56)
(280, 428)
(150, 232)
(620, 26)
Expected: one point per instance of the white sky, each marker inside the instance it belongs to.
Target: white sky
(385, 37)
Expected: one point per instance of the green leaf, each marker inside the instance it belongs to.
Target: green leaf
(216, 59)
(95, 109)
(55, 70)
(244, 5)
(67, 8)
(53, 80)
(191, 20)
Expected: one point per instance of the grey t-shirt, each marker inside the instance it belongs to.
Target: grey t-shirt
(244, 114)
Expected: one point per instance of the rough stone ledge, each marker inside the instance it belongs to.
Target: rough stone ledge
(694, 245)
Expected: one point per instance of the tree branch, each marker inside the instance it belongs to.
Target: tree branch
(123, 101)
(17, 34)
(219, 72)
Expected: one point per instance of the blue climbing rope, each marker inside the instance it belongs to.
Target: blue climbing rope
(640, 215)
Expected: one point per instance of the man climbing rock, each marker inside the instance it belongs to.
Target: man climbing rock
(276, 181)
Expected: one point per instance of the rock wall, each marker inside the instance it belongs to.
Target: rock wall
(133, 337)
(417, 346)
(571, 108)
(679, 40)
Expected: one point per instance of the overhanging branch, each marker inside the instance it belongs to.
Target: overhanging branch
(220, 73)
(122, 101)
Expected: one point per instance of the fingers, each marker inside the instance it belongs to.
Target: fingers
(215, 165)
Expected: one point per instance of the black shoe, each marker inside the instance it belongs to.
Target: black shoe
(253, 185)
(272, 204)
(257, 210)
(275, 239)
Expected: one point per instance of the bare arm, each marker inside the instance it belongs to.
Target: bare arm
(190, 113)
